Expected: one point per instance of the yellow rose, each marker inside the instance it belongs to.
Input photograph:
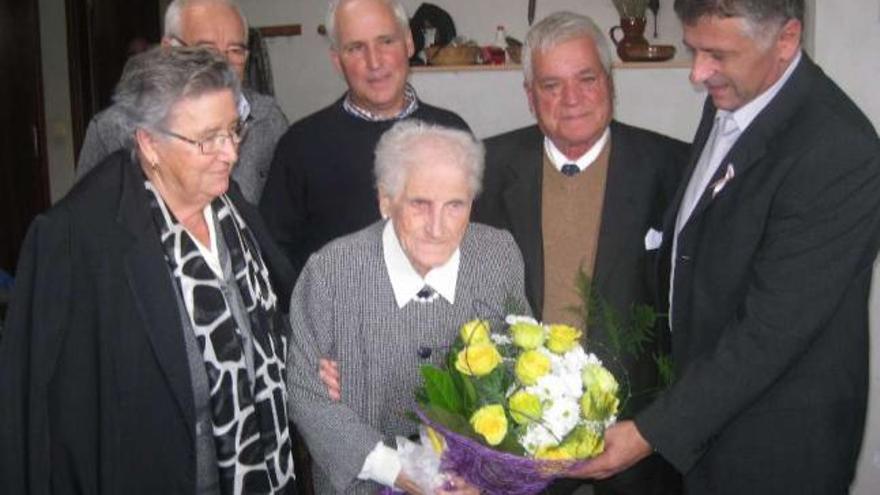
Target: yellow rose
(583, 442)
(530, 366)
(490, 422)
(478, 360)
(527, 335)
(553, 454)
(562, 338)
(597, 405)
(597, 378)
(525, 407)
(475, 332)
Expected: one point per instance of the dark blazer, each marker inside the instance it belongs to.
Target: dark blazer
(643, 174)
(769, 330)
(95, 391)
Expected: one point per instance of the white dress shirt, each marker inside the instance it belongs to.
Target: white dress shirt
(382, 465)
(559, 159)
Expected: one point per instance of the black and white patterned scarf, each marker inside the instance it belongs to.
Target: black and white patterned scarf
(249, 419)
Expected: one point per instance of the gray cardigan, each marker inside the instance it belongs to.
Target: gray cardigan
(105, 135)
(343, 307)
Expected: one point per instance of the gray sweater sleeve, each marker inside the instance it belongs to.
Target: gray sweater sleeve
(337, 437)
(93, 150)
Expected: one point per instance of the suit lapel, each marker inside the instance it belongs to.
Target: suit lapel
(522, 202)
(702, 135)
(752, 144)
(151, 284)
(617, 208)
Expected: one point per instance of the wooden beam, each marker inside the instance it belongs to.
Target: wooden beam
(280, 30)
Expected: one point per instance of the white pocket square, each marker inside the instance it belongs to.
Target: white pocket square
(653, 239)
(720, 183)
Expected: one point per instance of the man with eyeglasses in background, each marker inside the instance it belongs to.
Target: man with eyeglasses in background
(217, 25)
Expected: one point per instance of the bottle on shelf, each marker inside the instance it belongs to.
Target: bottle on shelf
(498, 48)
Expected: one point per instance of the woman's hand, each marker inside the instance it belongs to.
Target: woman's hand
(328, 371)
(456, 485)
(403, 482)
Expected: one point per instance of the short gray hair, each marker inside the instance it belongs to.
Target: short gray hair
(758, 14)
(395, 150)
(330, 22)
(557, 28)
(155, 80)
(174, 13)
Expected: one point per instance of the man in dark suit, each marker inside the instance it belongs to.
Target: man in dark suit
(580, 190)
(769, 245)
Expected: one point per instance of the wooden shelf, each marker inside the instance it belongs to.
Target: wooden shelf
(669, 64)
(464, 68)
(280, 30)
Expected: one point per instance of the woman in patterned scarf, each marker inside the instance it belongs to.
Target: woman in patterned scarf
(146, 344)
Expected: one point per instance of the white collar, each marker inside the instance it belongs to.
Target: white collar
(210, 253)
(244, 108)
(559, 159)
(744, 115)
(405, 281)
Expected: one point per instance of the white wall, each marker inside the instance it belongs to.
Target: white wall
(494, 101)
(847, 46)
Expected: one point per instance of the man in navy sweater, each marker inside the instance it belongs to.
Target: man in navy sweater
(321, 183)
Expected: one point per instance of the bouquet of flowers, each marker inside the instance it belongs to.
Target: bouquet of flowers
(512, 410)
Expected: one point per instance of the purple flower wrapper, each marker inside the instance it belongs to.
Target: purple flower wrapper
(494, 472)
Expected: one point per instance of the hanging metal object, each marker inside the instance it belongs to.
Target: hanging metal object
(654, 6)
(532, 11)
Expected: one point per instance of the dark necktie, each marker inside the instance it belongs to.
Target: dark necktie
(570, 169)
(427, 294)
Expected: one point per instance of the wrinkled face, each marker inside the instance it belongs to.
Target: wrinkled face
(570, 95)
(372, 54)
(734, 65)
(432, 210)
(218, 27)
(183, 170)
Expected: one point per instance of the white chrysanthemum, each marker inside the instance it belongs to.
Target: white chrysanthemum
(593, 359)
(537, 436)
(562, 416)
(500, 339)
(573, 385)
(514, 319)
(548, 388)
(556, 362)
(575, 359)
(560, 382)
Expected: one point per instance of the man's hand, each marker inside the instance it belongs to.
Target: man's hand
(624, 446)
(328, 371)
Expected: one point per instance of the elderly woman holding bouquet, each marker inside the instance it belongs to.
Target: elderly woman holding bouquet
(386, 300)
(146, 342)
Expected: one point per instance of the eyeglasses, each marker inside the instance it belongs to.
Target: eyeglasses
(212, 145)
(235, 54)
